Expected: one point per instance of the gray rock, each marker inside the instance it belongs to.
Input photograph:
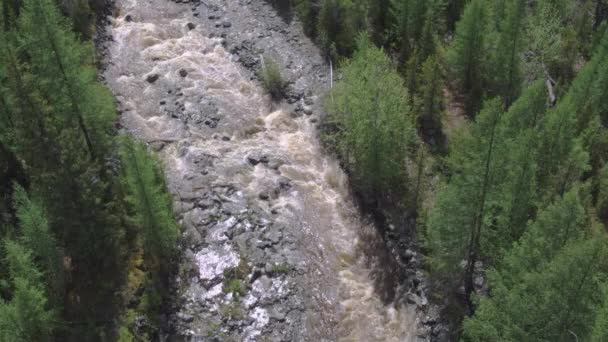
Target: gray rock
(152, 78)
(185, 317)
(413, 298)
(277, 315)
(226, 24)
(274, 236)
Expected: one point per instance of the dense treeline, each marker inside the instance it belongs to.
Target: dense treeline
(522, 195)
(85, 220)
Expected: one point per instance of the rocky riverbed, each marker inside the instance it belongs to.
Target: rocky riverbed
(274, 247)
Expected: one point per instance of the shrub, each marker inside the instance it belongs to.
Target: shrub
(271, 78)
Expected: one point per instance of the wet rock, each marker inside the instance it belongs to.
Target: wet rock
(275, 163)
(184, 317)
(152, 78)
(413, 298)
(255, 159)
(183, 73)
(190, 26)
(277, 315)
(274, 236)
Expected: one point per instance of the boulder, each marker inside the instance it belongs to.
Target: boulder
(152, 78)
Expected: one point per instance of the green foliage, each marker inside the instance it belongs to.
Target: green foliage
(467, 55)
(506, 58)
(377, 131)
(56, 132)
(280, 269)
(600, 328)
(26, 317)
(339, 22)
(414, 24)
(36, 235)
(148, 195)
(428, 103)
(458, 222)
(559, 299)
(234, 286)
(272, 80)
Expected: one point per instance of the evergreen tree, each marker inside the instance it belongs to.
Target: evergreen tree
(36, 236)
(467, 54)
(457, 224)
(506, 57)
(63, 72)
(26, 317)
(371, 106)
(429, 100)
(147, 194)
(153, 214)
(557, 295)
(600, 328)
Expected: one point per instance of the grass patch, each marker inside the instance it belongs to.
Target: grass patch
(231, 311)
(280, 269)
(234, 279)
(234, 286)
(271, 78)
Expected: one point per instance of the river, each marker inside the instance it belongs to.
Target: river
(251, 182)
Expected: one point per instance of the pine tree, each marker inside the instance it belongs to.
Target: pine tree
(467, 54)
(147, 193)
(25, 127)
(600, 328)
(61, 65)
(555, 225)
(457, 224)
(559, 300)
(506, 57)
(414, 25)
(429, 100)
(516, 189)
(36, 236)
(371, 105)
(26, 317)
(152, 213)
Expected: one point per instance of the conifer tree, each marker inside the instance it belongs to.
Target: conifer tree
(467, 54)
(600, 328)
(559, 301)
(36, 235)
(153, 214)
(429, 100)
(506, 57)
(26, 317)
(371, 105)
(61, 65)
(457, 224)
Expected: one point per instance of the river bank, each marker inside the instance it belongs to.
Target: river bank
(273, 243)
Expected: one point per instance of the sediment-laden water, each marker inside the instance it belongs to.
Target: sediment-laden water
(251, 183)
